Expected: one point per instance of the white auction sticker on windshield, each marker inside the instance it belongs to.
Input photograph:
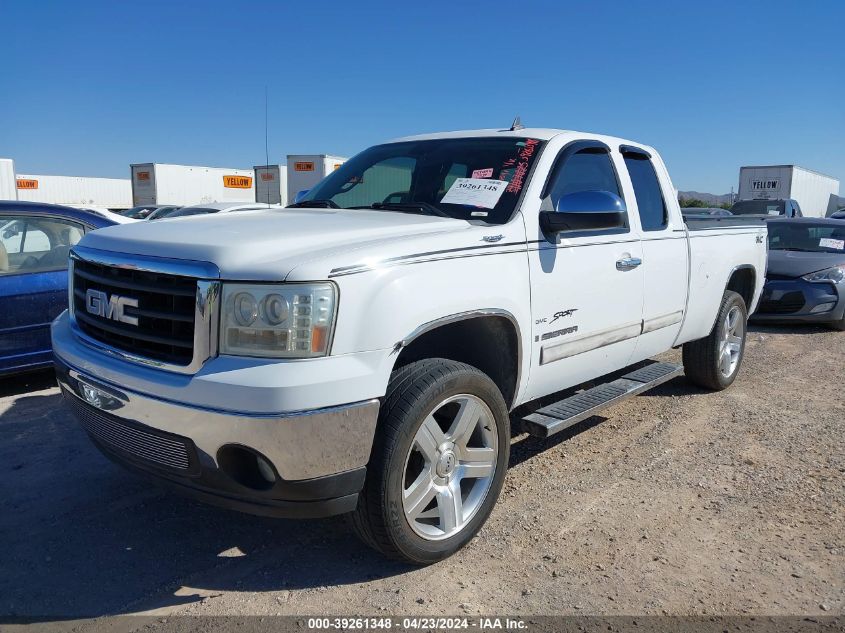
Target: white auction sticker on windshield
(826, 242)
(476, 192)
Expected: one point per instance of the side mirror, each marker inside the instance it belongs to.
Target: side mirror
(300, 195)
(585, 211)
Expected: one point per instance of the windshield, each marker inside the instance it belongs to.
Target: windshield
(138, 213)
(464, 178)
(162, 212)
(759, 207)
(802, 236)
(704, 211)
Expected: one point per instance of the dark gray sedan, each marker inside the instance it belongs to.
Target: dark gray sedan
(805, 276)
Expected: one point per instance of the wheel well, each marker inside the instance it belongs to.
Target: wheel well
(488, 343)
(742, 281)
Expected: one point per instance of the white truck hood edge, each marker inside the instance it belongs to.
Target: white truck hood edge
(265, 245)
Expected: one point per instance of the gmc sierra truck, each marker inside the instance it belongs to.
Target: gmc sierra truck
(366, 350)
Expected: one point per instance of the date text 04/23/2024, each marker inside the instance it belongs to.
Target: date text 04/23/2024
(416, 623)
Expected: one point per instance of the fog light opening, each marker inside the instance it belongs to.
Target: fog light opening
(823, 307)
(247, 467)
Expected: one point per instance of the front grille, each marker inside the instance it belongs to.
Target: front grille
(165, 312)
(789, 303)
(149, 445)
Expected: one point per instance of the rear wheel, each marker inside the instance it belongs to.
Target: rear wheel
(713, 362)
(438, 462)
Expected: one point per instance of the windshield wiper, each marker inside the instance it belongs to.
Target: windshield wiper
(407, 207)
(314, 204)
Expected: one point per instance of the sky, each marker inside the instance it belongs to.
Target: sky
(90, 87)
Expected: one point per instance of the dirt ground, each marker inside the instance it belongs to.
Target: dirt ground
(676, 502)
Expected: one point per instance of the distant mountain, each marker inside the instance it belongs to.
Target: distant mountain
(710, 198)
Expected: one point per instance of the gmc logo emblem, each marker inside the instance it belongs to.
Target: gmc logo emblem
(100, 304)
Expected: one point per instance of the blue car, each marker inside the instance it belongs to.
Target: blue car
(34, 243)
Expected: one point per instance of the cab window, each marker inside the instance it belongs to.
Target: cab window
(587, 170)
(650, 203)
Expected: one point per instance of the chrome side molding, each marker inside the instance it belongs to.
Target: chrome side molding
(660, 322)
(590, 342)
(551, 353)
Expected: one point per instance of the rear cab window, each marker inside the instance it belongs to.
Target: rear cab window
(650, 202)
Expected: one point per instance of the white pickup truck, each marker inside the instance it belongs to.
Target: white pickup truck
(366, 350)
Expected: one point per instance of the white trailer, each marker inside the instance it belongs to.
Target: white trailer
(75, 191)
(306, 170)
(816, 193)
(8, 191)
(271, 184)
(160, 183)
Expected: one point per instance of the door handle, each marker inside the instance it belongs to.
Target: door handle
(628, 263)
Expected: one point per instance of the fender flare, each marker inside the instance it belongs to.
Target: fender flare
(466, 316)
(728, 280)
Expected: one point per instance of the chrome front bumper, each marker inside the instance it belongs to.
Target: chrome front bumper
(319, 457)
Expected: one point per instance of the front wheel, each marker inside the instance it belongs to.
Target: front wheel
(438, 462)
(838, 325)
(713, 362)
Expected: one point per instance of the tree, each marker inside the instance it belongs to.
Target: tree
(692, 202)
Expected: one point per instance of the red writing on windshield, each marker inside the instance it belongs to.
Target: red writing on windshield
(520, 162)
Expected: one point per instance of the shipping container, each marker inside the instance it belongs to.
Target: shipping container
(8, 191)
(159, 183)
(271, 184)
(816, 193)
(306, 170)
(75, 191)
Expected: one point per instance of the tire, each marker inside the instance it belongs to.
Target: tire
(421, 505)
(838, 325)
(705, 362)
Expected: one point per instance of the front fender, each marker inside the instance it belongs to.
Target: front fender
(388, 307)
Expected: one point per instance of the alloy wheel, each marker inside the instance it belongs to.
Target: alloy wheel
(730, 348)
(450, 467)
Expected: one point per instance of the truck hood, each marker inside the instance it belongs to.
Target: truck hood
(798, 263)
(266, 244)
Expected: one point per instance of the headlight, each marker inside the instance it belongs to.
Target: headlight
(832, 275)
(277, 320)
